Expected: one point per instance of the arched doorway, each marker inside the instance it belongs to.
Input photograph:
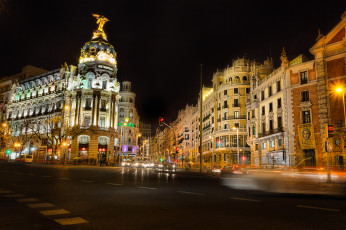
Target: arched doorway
(102, 155)
(83, 147)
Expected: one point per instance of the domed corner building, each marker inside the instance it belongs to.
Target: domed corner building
(81, 101)
(92, 99)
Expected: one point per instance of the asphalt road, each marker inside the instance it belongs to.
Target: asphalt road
(85, 197)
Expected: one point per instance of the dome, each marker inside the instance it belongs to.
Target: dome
(98, 49)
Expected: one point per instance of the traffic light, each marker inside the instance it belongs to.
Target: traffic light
(183, 156)
(161, 121)
(8, 151)
(243, 158)
(330, 130)
(177, 150)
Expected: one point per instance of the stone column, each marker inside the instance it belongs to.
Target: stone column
(76, 111)
(110, 112)
(98, 110)
(93, 111)
(93, 147)
(79, 109)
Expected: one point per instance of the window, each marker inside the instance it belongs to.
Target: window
(263, 127)
(87, 121)
(263, 110)
(306, 116)
(279, 103)
(280, 143)
(270, 91)
(271, 144)
(103, 105)
(225, 92)
(212, 120)
(278, 86)
(236, 103)
(236, 125)
(271, 125)
(248, 115)
(262, 95)
(89, 83)
(264, 145)
(88, 103)
(104, 84)
(254, 130)
(244, 78)
(303, 77)
(236, 114)
(247, 90)
(271, 107)
(102, 122)
(279, 122)
(305, 96)
(225, 104)
(236, 90)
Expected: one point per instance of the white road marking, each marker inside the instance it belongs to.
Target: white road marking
(146, 187)
(5, 192)
(69, 221)
(40, 205)
(64, 178)
(46, 176)
(114, 184)
(239, 198)
(87, 181)
(326, 209)
(15, 195)
(54, 212)
(193, 193)
(31, 199)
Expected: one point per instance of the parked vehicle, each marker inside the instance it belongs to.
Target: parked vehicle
(227, 170)
(214, 169)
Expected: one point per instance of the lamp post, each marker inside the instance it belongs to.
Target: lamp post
(236, 128)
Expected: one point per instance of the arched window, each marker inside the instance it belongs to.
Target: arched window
(244, 78)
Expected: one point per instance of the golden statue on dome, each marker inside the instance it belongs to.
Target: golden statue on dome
(101, 20)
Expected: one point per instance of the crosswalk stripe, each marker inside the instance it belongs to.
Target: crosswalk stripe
(70, 221)
(40, 205)
(54, 212)
(31, 199)
(5, 192)
(15, 195)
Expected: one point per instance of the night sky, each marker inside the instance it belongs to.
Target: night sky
(161, 44)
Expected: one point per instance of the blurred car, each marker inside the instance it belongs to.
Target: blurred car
(136, 164)
(148, 164)
(169, 167)
(228, 170)
(215, 169)
(159, 166)
(126, 164)
(28, 158)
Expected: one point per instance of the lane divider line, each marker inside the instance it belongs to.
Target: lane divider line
(318, 208)
(46, 176)
(193, 193)
(54, 212)
(70, 221)
(245, 199)
(114, 184)
(146, 188)
(87, 181)
(64, 178)
(15, 195)
(30, 199)
(40, 205)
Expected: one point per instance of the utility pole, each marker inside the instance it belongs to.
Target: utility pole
(201, 123)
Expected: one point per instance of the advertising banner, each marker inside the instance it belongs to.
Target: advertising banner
(306, 136)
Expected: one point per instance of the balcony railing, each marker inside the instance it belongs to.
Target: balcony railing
(236, 117)
(87, 108)
(236, 105)
(270, 132)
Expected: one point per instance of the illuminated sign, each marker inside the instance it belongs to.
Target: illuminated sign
(102, 150)
(128, 124)
(105, 67)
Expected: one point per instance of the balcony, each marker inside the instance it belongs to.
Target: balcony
(236, 105)
(206, 127)
(236, 117)
(225, 106)
(103, 109)
(218, 109)
(270, 132)
(87, 108)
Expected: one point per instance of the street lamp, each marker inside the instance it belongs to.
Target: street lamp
(236, 128)
(341, 90)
